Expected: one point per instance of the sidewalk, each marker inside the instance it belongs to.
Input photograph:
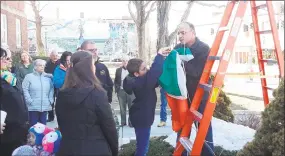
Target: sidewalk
(127, 133)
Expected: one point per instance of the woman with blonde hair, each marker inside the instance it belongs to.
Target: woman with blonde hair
(83, 112)
(24, 67)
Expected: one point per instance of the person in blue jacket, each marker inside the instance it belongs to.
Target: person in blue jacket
(60, 70)
(142, 84)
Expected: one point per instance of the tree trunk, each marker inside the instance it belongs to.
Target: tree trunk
(38, 21)
(163, 8)
(39, 38)
(140, 20)
(141, 42)
(141, 30)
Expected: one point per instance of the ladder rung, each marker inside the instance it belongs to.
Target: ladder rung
(224, 29)
(269, 60)
(186, 143)
(261, 6)
(269, 88)
(197, 115)
(265, 32)
(206, 87)
(214, 58)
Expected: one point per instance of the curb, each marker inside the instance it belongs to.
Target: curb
(251, 97)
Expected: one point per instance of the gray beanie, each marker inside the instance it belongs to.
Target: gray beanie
(25, 150)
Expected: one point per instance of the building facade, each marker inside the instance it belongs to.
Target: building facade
(14, 25)
(245, 49)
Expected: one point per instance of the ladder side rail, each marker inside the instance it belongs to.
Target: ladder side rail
(213, 52)
(259, 51)
(218, 80)
(277, 46)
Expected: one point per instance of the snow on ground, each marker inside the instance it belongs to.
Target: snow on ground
(225, 134)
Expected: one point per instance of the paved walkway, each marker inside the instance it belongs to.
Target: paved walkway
(127, 133)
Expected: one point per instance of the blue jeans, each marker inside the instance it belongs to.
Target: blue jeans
(35, 116)
(142, 137)
(163, 105)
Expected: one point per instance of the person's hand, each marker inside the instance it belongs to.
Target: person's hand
(164, 51)
(2, 127)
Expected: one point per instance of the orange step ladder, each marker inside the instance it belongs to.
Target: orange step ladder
(204, 119)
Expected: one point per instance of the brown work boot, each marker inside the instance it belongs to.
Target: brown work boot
(161, 124)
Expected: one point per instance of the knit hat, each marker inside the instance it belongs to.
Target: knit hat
(39, 131)
(25, 150)
(51, 141)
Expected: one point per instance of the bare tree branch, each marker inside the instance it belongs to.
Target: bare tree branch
(209, 5)
(150, 10)
(52, 24)
(132, 13)
(32, 21)
(43, 7)
(146, 4)
(183, 19)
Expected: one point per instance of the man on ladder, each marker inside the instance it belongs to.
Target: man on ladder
(194, 69)
(203, 87)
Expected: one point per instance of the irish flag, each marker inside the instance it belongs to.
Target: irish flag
(173, 78)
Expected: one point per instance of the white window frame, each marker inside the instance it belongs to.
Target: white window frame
(18, 33)
(4, 30)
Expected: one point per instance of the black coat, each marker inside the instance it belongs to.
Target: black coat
(143, 109)
(50, 66)
(16, 129)
(195, 67)
(86, 122)
(103, 75)
(118, 80)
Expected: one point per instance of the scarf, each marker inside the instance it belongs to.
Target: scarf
(8, 77)
(61, 66)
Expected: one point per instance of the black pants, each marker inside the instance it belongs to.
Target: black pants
(51, 113)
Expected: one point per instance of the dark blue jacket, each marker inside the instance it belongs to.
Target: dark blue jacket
(143, 108)
(195, 67)
(103, 75)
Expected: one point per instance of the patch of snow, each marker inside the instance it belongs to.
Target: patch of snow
(225, 134)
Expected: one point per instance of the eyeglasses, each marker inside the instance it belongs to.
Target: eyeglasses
(92, 50)
(6, 58)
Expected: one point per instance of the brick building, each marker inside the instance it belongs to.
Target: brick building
(14, 25)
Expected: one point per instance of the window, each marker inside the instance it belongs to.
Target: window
(18, 33)
(245, 28)
(251, 25)
(212, 31)
(4, 31)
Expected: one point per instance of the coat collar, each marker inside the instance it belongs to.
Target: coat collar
(61, 66)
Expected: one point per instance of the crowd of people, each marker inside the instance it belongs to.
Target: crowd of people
(77, 89)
